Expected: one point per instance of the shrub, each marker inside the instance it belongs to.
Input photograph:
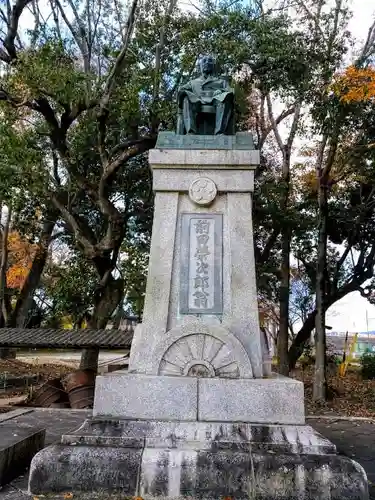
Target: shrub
(368, 365)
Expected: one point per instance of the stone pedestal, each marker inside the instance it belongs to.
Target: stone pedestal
(201, 292)
(196, 416)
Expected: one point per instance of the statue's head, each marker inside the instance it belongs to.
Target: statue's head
(207, 65)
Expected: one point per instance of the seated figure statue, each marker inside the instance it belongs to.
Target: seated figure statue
(205, 105)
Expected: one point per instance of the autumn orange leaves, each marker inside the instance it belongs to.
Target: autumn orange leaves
(355, 85)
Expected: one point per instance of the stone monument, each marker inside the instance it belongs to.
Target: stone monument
(196, 415)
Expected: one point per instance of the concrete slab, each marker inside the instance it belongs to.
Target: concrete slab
(18, 445)
(55, 421)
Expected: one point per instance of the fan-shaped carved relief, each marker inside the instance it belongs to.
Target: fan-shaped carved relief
(199, 355)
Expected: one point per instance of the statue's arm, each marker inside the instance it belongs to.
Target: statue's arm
(182, 90)
(225, 87)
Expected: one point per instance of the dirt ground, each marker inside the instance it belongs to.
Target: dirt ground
(14, 367)
(347, 396)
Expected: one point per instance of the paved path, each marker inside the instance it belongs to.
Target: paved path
(355, 439)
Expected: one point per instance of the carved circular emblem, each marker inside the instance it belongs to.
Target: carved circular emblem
(199, 355)
(202, 191)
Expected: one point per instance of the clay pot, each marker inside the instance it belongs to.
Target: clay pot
(49, 393)
(79, 378)
(80, 386)
(82, 397)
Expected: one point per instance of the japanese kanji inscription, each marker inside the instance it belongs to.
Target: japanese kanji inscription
(201, 264)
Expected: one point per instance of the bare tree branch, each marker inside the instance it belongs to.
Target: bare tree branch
(94, 31)
(13, 19)
(369, 46)
(118, 14)
(82, 30)
(310, 15)
(109, 86)
(266, 130)
(160, 47)
(80, 38)
(4, 17)
(55, 14)
(111, 80)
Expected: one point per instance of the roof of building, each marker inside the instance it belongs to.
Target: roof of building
(67, 339)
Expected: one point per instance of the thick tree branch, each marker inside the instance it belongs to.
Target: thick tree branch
(87, 243)
(273, 124)
(266, 130)
(294, 127)
(55, 162)
(14, 17)
(15, 102)
(4, 261)
(55, 15)
(369, 47)
(363, 272)
(265, 254)
(20, 313)
(137, 147)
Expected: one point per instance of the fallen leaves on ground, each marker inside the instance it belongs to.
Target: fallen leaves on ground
(348, 396)
(21, 368)
(14, 367)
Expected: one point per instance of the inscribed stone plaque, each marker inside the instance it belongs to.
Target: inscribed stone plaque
(201, 282)
(170, 140)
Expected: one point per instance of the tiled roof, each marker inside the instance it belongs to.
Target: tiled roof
(74, 339)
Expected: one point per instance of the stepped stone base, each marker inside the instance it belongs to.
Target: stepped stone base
(196, 460)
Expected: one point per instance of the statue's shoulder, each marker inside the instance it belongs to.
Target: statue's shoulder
(196, 80)
(189, 83)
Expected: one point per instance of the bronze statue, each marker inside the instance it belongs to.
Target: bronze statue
(205, 105)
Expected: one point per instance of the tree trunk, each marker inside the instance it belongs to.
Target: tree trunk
(109, 299)
(20, 315)
(283, 337)
(301, 339)
(5, 353)
(320, 377)
(283, 340)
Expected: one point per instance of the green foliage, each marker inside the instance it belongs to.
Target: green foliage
(70, 288)
(134, 269)
(368, 365)
(48, 70)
